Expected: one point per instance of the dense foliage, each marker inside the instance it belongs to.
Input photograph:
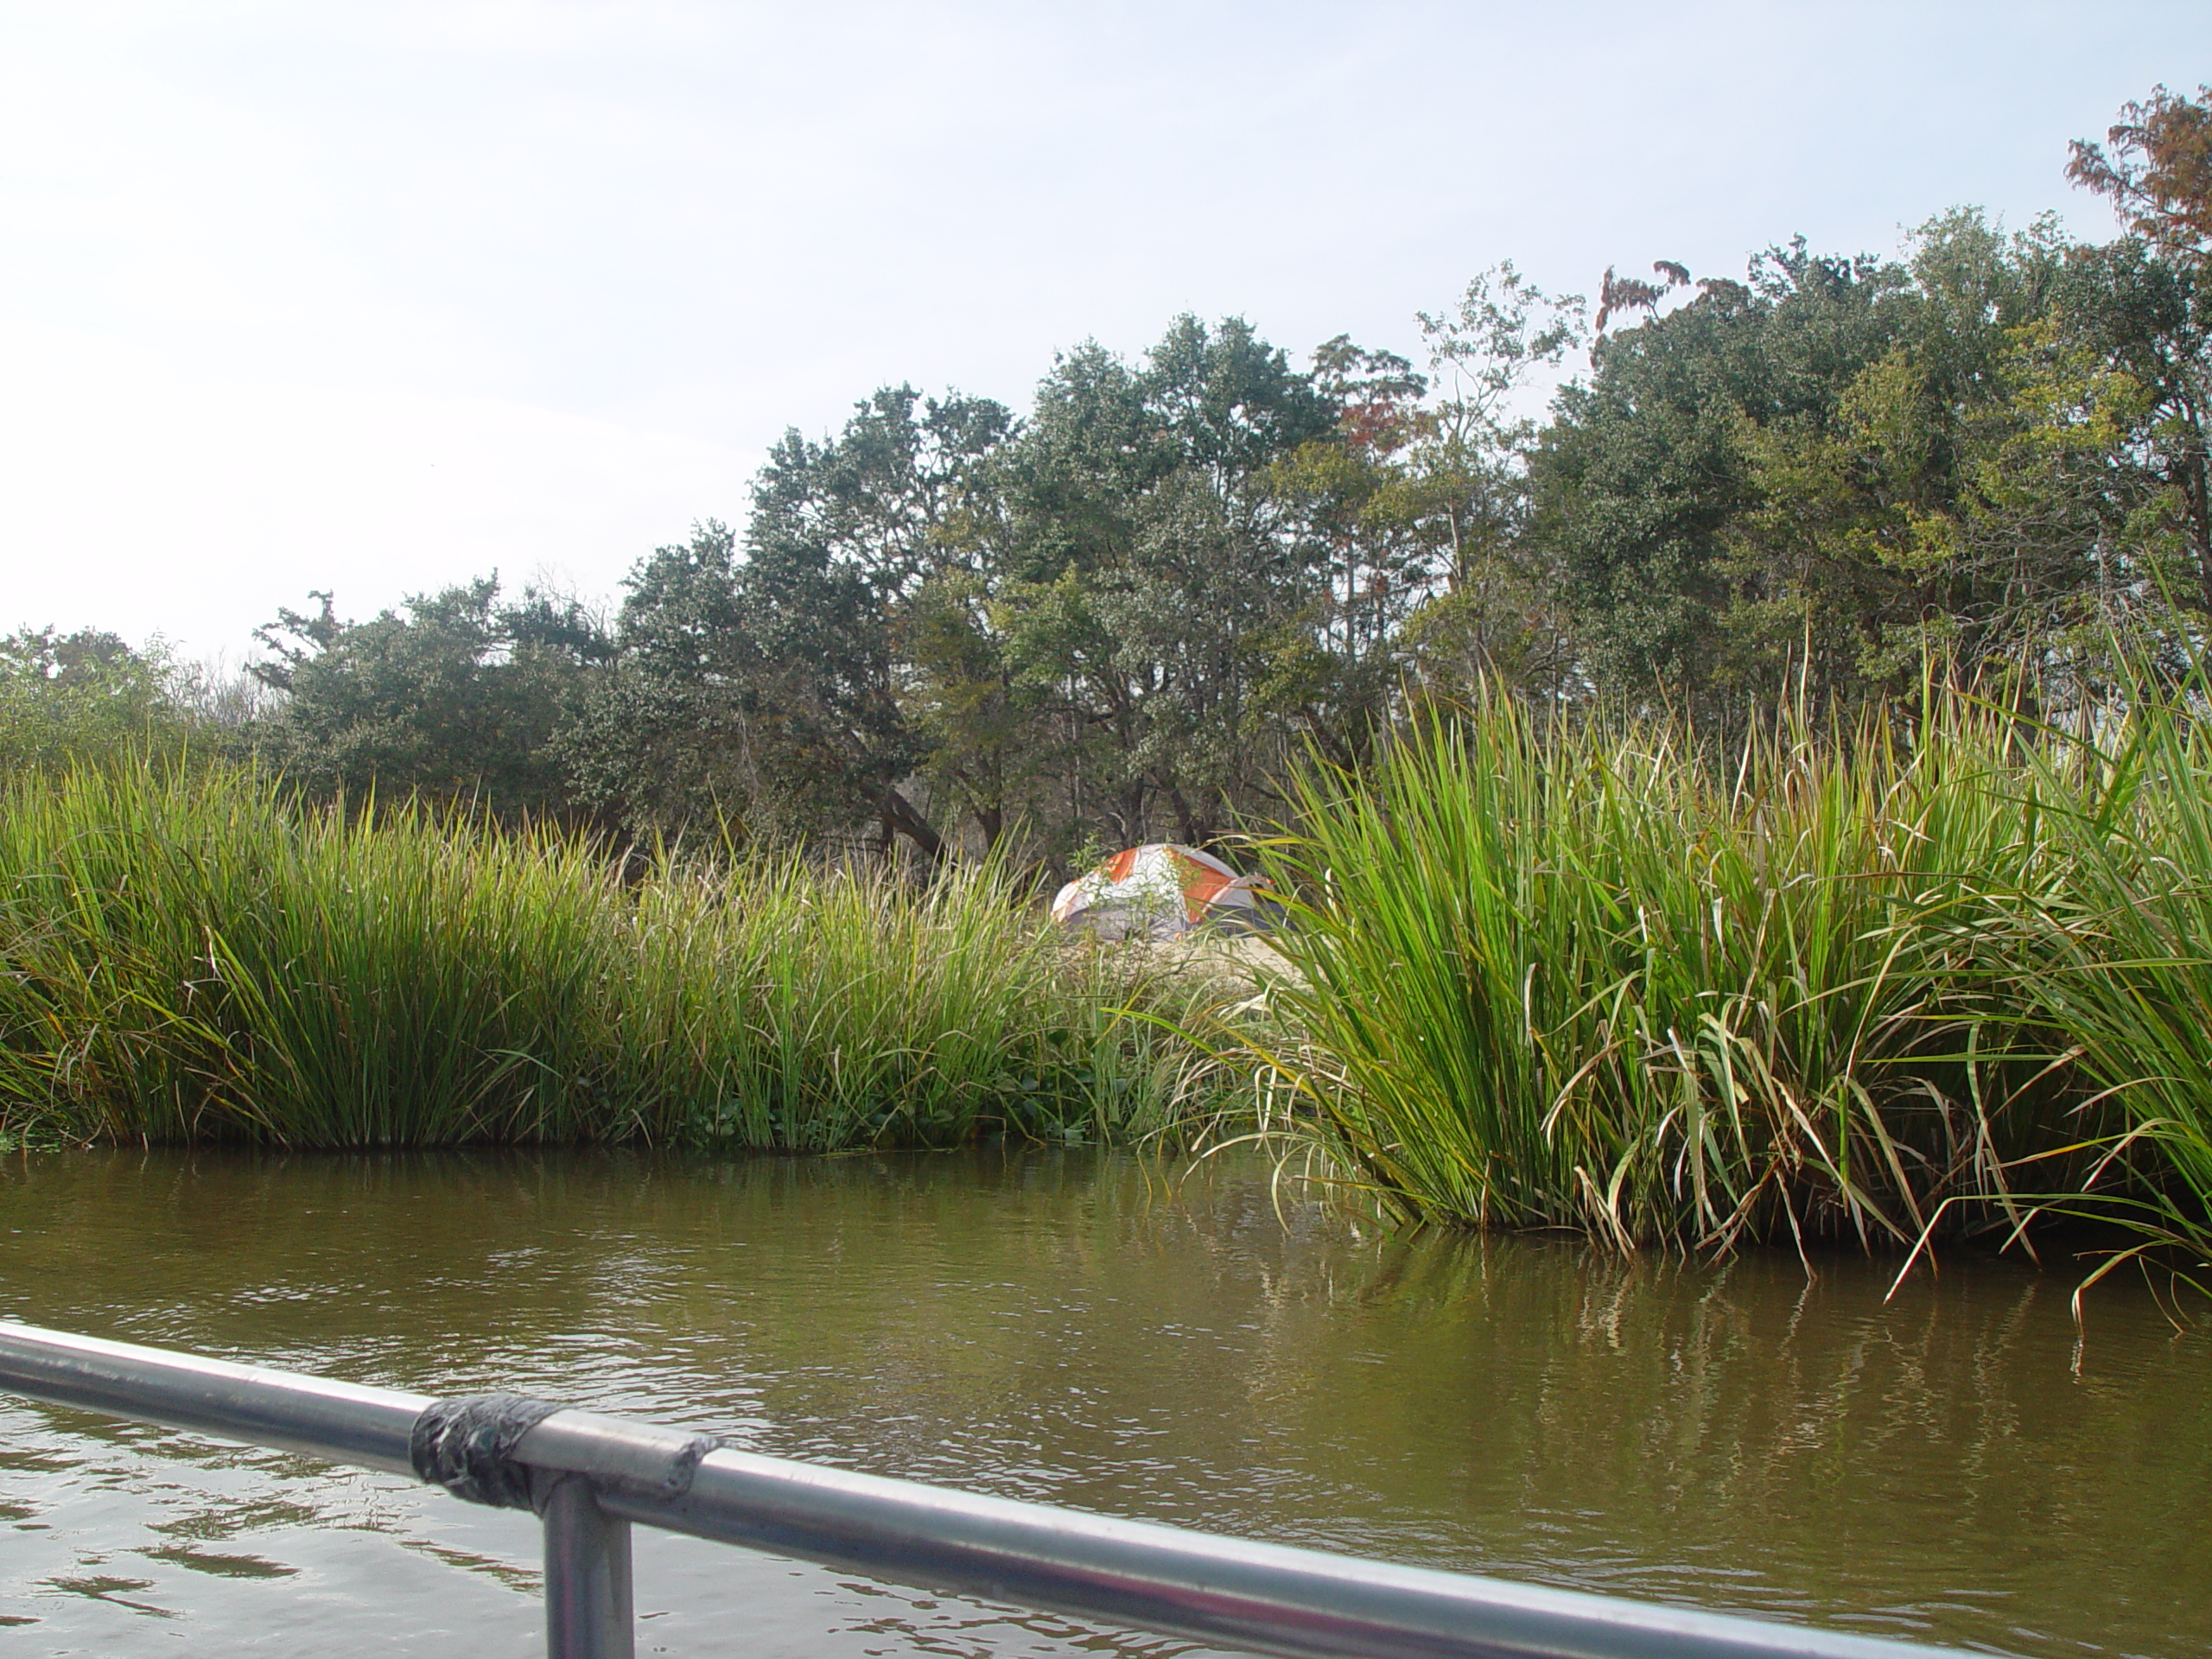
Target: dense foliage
(187, 955)
(1876, 990)
(947, 627)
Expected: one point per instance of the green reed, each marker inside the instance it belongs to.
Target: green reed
(1590, 978)
(2117, 955)
(1874, 987)
(189, 958)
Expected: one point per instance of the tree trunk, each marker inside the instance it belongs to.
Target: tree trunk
(900, 814)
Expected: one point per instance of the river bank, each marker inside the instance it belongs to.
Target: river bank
(1878, 988)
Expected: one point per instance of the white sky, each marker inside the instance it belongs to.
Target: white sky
(379, 297)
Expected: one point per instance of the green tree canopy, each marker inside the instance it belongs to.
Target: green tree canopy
(455, 696)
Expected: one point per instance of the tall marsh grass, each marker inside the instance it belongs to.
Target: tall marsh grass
(190, 958)
(2116, 954)
(1874, 990)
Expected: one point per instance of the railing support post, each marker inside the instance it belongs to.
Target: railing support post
(587, 1607)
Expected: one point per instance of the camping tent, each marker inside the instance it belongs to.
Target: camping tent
(1161, 891)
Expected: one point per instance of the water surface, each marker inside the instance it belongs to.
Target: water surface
(1960, 1465)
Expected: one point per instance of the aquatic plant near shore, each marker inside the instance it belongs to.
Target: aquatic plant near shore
(2115, 952)
(189, 958)
(1582, 978)
(1586, 978)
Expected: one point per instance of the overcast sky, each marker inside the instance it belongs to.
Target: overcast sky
(378, 296)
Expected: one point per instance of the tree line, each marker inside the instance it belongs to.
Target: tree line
(949, 626)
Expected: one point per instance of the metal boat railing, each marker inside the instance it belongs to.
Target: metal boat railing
(589, 1478)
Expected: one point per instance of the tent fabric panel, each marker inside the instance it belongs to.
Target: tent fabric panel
(1134, 892)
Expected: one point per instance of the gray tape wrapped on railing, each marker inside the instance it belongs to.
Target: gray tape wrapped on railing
(466, 1445)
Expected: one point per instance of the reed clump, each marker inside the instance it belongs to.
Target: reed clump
(2116, 954)
(1876, 988)
(189, 958)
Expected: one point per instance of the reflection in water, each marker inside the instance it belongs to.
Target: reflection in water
(1079, 1328)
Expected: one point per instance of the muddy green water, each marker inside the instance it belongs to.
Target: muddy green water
(1954, 1465)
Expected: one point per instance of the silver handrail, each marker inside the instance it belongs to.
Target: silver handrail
(590, 1476)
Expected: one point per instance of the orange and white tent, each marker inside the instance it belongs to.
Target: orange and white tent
(1161, 891)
